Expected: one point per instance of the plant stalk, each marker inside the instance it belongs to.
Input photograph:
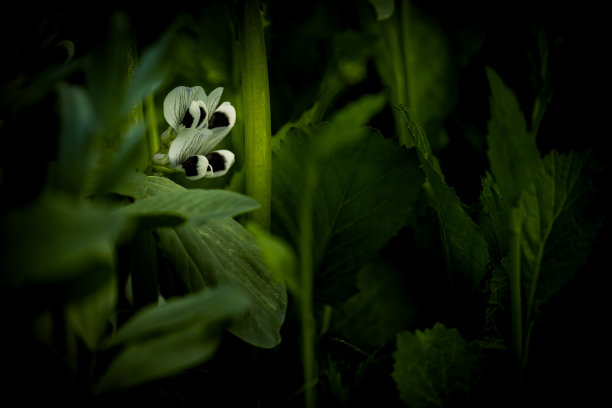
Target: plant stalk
(151, 122)
(256, 105)
(515, 287)
(307, 281)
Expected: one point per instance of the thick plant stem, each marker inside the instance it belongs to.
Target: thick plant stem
(307, 281)
(515, 288)
(256, 105)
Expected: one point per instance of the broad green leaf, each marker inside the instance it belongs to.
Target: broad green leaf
(557, 234)
(364, 195)
(134, 185)
(435, 367)
(60, 241)
(346, 125)
(159, 357)
(158, 185)
(164, 340)
(222, 251)
(197, 206)
(513, 153)
(378, 311)
(465, 248)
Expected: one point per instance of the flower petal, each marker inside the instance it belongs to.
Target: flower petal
(189, 142)
(220, 123)
(178, 101)
(196, 167)
(213, 99)
(220, 162)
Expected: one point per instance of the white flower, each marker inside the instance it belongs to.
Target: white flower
(201, 123)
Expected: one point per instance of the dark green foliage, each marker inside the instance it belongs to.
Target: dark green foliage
(364, 195)
(438, 234)
(436, 367)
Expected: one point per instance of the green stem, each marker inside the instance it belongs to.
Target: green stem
(515, 286)
(151, 122)
(307, 280)
(398, 92)
(256, 105)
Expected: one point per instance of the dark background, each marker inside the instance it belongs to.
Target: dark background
(568, 349)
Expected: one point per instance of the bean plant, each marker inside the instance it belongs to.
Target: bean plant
(271, 204)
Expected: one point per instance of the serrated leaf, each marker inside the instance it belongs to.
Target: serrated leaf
(513, 153)
(364, 196)
(557, 234)
(434, 366)
(222, 251)
(378, 311)
(465, 247)
(493, 217)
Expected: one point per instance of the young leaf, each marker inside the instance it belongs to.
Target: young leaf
(513, 153)
(364, 196)
(557, 234)
(163, 340)
(222, 251)
(493, 221)
(434, 366)
(464, 245)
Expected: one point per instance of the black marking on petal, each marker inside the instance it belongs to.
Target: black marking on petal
(216, 161)
(202, 116)
(187, 119)
(218, 119)
(191, 166)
